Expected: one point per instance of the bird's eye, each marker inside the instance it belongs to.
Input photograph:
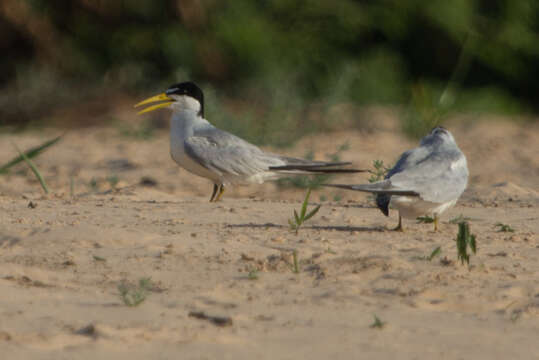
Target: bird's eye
(438, 131)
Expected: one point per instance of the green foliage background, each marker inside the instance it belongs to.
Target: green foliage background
(273, 59)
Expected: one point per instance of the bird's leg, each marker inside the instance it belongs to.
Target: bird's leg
(435, 222)
(221, 191)
(214, 192)
(399, 227)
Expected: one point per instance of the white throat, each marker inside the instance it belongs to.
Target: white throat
(185, 103)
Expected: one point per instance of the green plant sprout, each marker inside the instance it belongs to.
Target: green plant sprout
(379, 172)
(331, 251)
(34, 169)
(336, 156)
(377, 323)
(32, 153)
(436, 252)
(504, 227)
(113, 181)
(253, 274)
(464, 240)
(93, 184)
(298, 220)
(134, 295)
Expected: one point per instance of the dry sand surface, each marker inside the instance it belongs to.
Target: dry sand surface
(63, 257)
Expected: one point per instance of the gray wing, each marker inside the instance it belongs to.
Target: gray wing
(438, 176)
(226, 154)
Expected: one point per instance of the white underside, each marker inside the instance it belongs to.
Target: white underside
(413, 207)
(260, 177)
(181, 158)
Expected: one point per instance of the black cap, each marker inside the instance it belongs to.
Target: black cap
(188, 88)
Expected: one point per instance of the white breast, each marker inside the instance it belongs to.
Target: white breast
(181, 127)
(412, 207)
(459, 163)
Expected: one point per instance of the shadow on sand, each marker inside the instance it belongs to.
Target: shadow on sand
(314, 227)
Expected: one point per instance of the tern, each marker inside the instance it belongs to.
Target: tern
(426, 180)
(223, 158)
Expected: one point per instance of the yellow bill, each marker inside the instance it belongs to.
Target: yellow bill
(163, 100)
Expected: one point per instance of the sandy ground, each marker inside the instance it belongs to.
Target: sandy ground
(63, 257)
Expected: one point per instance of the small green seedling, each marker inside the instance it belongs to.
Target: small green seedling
(515, 315)
(32, 166)
(99, 258)
(253, 274)
(379, 172)
(134, 295)
(465, 240)
(298, 220)
(434, 253)
(331, 251)
(113, 181)
(504, 227)
(336, 156)
(93, 184)
(425, 219)
(377, 323)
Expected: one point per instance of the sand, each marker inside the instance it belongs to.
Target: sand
(222, 281)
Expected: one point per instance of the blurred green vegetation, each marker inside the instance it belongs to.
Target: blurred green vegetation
(266, 64)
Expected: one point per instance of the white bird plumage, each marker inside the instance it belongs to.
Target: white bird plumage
(426, 180)
(223, 158)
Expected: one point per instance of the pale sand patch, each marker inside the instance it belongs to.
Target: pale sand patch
(62, 261)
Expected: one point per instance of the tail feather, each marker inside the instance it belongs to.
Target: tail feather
(314, 169)
(291, 161)
(375, 188)
(302, 165)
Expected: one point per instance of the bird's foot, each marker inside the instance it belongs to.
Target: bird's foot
(212, 198)
(221, 191)
(399, 226)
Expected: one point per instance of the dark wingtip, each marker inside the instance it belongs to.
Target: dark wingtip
(339, 186)
(382, 201)
(322, 168)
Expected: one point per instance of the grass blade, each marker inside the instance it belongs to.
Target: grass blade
(434, 253)
(312, 213)
(33, 152)
(34, 169)
(305, 202)
(472, 244)
(298, 221)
